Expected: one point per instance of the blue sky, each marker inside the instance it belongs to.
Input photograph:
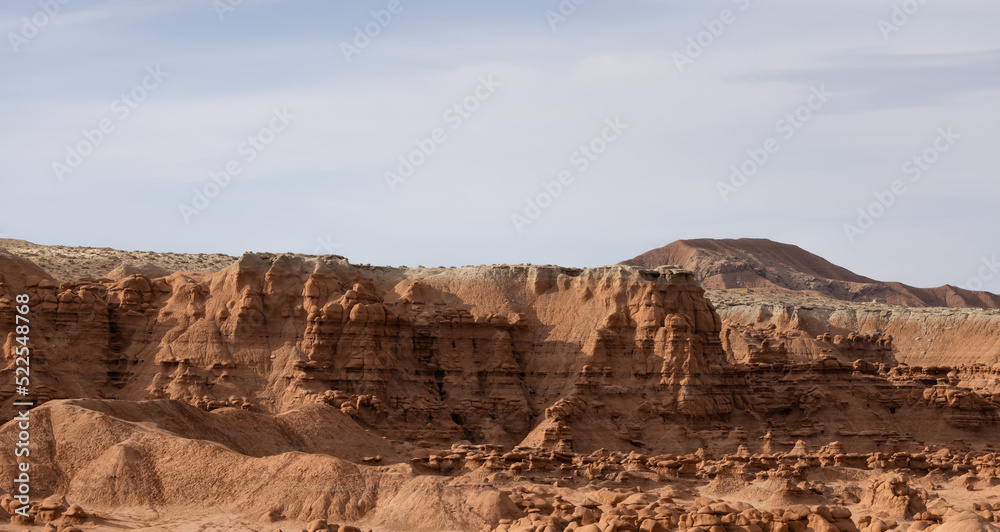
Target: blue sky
(529, 96)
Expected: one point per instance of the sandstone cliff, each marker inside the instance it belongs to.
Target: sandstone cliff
(308, 388)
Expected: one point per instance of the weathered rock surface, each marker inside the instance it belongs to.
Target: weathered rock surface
(310, 393)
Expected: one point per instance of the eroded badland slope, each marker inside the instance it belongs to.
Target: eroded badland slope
(282, 390)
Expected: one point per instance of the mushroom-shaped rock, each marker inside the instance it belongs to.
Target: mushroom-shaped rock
(76, 511)
(799, 449)
(18, 519)
(318, 525)
(966, 522)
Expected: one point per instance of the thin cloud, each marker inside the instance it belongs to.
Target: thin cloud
(869, 81)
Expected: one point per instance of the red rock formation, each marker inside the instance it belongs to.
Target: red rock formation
(421, 354)
(507, 397)
(761, 264)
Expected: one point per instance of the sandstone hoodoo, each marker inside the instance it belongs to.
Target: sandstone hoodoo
(307, 393)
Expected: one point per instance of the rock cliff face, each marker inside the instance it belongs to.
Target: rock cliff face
(421, 354)
(308, 388)
(799, 328)
(503, 354)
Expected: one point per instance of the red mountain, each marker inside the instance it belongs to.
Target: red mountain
(767, 265)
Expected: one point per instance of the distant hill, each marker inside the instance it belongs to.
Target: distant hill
(767, 265)
(65, 263)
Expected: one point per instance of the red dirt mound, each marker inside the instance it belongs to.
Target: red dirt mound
(764, 264)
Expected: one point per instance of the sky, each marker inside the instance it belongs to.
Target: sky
(572, 132)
